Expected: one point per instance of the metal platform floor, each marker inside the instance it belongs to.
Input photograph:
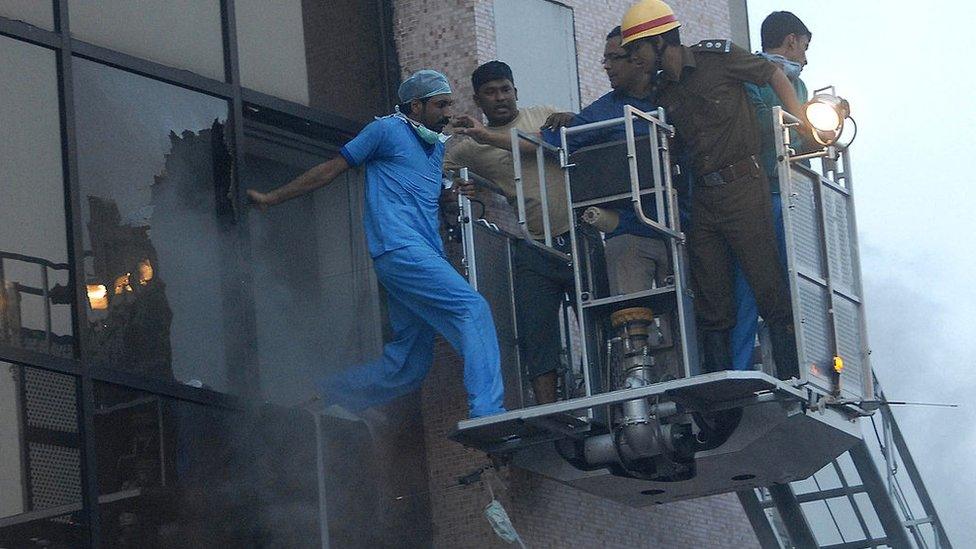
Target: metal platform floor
(779, 438)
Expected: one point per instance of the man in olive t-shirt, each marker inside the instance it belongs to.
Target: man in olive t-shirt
(541, 282)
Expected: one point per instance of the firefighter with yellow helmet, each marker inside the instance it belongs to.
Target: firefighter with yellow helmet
(701, 89)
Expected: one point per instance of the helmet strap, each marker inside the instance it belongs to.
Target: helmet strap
(658, 61)
(659, 54)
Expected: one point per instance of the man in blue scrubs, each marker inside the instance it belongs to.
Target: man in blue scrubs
(785, 40)
(402, 155)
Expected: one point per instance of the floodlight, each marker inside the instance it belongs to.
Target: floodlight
(826, 115)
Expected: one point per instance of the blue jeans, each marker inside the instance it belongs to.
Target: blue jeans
(425, 295)
(743, 338)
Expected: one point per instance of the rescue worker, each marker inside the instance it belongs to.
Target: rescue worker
(701, 89)
(541, 281)
(785, 40)
(636, 255)
(402, 155)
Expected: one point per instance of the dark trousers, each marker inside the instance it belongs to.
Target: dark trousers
(735, 220)
(541, 282)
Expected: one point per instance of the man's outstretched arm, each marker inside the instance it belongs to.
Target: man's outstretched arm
(315, 178)
(475, 129)
(787, 94)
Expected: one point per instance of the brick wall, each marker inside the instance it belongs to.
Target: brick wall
(455, 36)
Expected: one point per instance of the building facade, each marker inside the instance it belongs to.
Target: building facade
(157, 339)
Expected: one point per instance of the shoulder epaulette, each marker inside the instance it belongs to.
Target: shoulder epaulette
(717, 46)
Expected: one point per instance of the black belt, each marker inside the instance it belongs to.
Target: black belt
(743, 168)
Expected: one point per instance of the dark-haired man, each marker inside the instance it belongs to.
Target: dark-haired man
(635, 255)
(701, 89)
(785, 40)
(541, 282)
(402, 154)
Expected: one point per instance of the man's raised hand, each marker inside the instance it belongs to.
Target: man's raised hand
(467, 188)
(557, 120)
(471, 127)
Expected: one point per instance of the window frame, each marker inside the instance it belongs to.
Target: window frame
(322, 125)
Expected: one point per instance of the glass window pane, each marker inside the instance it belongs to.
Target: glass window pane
(179, 474)
(35, 302)
(539, 25)
(316, 299)
(39, 13)
(327, 54)
(318, 311)
(40, 459)
(867, 509)
(185, 34)
(155, 172)
(827, 478)
(821, 523)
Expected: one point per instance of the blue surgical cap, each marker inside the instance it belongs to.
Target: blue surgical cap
(422, 84)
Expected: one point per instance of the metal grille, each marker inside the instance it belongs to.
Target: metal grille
(492, 256)
(847, 315)
(815, 328)
(50, 401)
(821, 220)
(806, 228)
(839, 240)
(55, 475)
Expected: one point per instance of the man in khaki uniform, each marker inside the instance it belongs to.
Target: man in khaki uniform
(702, 91)
(541, 281)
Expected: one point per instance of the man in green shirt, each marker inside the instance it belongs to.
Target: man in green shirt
(785, 40)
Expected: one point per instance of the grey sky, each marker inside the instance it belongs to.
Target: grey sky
(905, 68)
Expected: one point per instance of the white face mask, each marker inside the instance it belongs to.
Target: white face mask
(791, 68)
(428, 135)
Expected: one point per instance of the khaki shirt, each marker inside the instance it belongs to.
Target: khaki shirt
(496, 165)
(708, 104)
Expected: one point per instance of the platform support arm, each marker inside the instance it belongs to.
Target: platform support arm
(758, 519)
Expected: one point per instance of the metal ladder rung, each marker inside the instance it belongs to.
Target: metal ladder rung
(663, 290)
(819, 496)
(918, 522)
(615, 197)
(860, 544)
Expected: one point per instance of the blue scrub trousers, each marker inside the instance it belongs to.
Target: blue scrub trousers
(425, 295)
(743, 338)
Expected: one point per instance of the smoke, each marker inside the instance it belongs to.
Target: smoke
(920, 355)
(247, 477)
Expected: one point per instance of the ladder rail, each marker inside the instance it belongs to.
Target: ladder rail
(888, 495)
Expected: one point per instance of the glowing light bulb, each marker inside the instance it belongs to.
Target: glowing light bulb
(823, 117)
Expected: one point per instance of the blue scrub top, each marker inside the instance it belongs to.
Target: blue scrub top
(403, 185)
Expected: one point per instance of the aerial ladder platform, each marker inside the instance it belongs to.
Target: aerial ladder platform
(638, 421)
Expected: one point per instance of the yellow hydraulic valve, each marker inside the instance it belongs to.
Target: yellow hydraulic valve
(838, 364)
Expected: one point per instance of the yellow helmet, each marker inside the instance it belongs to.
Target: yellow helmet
(647, 18)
